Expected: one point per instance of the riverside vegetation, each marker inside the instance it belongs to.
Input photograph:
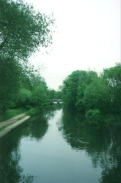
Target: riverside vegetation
(22, 88)
(98, 97)
(22, 31)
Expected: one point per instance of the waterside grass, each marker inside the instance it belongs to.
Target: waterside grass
(10, 113)
(3, 127)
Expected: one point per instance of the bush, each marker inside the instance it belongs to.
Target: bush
(10, 113)
(33, 111)
(114, 120)
(24, 97)
(28, 107)
(93, 116)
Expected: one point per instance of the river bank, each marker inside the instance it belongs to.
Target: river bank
(9, 125)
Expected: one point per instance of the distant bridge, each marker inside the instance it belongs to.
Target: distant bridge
(55, 101)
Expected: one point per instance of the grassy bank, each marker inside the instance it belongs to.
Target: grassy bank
(14, 112)
(10, 113)
(3, 127)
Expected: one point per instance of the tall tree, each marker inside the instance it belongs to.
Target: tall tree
(97, 96)
(74, 87)
(10, 73)
(22, 29)
(69, 89)
(113, 79)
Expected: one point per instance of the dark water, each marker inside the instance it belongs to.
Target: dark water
(59, 147)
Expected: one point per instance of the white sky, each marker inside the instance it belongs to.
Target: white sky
(88, 37)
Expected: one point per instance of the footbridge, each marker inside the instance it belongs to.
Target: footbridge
(55, 101)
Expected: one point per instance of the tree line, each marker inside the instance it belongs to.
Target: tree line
(98, 97)
(22, 31)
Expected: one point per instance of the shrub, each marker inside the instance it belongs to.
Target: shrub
(93, 116)
(33, 111)
(28, 107)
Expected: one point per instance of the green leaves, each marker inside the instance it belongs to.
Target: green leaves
(74, 87)
(22, 29)
(97, 96)
(93, 115)
(40, 98)
(10, 72)
(91, 94)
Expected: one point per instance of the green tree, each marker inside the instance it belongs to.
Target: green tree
(58, 95)
(69, 89)
(9, 82)
(22, 29)
(35, 94)
(40, 98)
(86, 77)
(97, 96)
(74, 87)
(24, 98)
(113, 79)
(53, 94)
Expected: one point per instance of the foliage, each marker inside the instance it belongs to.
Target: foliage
(69, 88)
(23, 89)
(113, 76)
(10, 72)
(36, 95)
(40, 97)
(33, 111)
(10, 113)
(22, 29)
(52, 94)
(95, 96)
(24, 97)
(85, 80)
(74, 86)
(93, 115)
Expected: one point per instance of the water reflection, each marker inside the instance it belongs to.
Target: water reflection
(50, 111)
(60, 148)
(10, 171)
(10, 155)
(37, 127)
(103, 145)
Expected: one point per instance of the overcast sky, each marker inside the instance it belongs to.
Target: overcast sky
(87, 37)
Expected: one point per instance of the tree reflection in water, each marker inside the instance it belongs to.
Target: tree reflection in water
(101, 144)
(10, 170)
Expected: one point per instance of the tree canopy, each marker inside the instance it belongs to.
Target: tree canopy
(22, 29)
(98, 97)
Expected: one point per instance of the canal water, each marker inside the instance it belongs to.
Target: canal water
(59, 147)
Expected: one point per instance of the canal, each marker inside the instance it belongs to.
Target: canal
(59, 147)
